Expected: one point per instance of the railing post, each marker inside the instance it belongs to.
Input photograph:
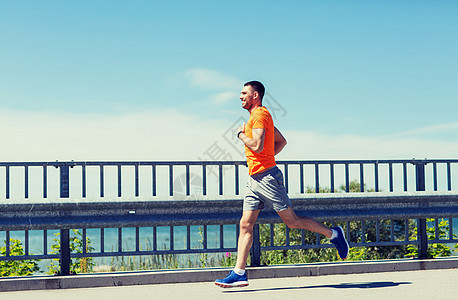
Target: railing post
(256, 247)
(421, 223)
(65, 259)
(64, 181)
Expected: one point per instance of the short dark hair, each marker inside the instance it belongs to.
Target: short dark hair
(258, 87)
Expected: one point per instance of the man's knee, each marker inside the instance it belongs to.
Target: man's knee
(248, 220)
(246, 225)
(289, 218)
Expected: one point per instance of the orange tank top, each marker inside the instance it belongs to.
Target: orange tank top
(258, 162)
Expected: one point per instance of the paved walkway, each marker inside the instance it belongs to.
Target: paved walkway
(429, 284)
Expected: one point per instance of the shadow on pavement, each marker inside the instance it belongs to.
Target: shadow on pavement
(356, 285)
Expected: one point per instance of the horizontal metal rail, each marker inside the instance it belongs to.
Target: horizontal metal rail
(69, 214)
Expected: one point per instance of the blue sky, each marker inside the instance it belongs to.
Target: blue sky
(160, 79)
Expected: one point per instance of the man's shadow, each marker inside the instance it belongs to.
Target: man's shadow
(358, 285)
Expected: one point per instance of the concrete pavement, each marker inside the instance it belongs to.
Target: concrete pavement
(386, 279)
(423, 284)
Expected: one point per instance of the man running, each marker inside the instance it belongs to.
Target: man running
(265, 184)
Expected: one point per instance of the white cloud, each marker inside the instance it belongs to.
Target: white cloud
(153, 135)
(439, 128)
(222, 88)
(311, 145)
(224, 97)
(212, 80)
(172, 135)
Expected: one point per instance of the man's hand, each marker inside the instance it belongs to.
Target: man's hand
(241, 128)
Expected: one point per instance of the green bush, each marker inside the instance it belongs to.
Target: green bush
(78, 265)
(17, 267)
(434, 250)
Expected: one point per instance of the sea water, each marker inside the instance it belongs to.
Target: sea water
(111, 240)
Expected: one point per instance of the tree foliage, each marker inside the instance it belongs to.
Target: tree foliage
(78, 265)
(17, 267)
(435, 249)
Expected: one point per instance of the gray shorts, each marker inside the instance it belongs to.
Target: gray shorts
(266, 188)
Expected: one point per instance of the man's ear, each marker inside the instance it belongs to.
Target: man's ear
(255, 95)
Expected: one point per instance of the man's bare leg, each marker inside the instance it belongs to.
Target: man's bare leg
(294, 221)
(247, 222)
(238, 276)
(335, 234)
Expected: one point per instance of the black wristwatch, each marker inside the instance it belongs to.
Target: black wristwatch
(238, 134)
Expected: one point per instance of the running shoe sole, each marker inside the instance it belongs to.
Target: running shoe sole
(231, 285)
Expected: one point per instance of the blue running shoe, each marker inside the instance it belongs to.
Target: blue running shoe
(341, 243)
(232, 280)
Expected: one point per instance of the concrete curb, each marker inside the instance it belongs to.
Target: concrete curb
(209, 275)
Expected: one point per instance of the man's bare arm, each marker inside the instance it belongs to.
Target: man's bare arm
(256, 143)
(279, 141)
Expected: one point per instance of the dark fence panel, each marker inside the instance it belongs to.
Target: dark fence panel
(208, 193)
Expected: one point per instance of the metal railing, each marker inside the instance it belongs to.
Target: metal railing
(164, 199)
(392, 174)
